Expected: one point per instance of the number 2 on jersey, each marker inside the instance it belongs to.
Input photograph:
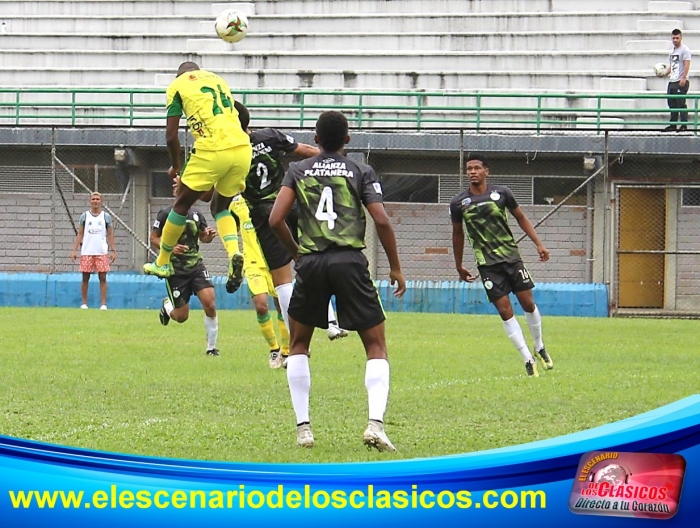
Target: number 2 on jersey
(324, 211)
(263, 174)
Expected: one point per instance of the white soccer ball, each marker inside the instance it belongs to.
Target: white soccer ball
(231, 25)
(660, 69)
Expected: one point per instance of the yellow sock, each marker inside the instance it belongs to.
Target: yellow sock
(268, 331)
(228, 233)
(172, 231)
(284, 334)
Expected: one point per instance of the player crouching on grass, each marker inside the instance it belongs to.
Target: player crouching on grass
(483, 209)
(330, 190)
(190, 275)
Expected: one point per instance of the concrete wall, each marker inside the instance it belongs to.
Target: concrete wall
(141, 292)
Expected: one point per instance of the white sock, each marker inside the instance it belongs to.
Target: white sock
(299, 380)
(534, 321)
(168, 305)
(515, 334)
(284, 295)
(211, 325)
(377, 383)
(331, 313)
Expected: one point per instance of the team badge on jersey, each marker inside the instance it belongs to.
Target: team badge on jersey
(466, 201)
(495, 196)
(195, 217)
(377, 187)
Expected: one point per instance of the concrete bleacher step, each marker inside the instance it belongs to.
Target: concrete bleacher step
(666, 7)
(650, 45)
(407, 60)
(464, 22)
(106, 25)
(653, 24)
(270, 7)
(477, 41)
(107, 8)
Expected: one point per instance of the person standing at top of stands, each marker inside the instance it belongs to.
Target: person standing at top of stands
(483, 209)
(678, 83)
(332, 192)
(220, 158)
(94, 234)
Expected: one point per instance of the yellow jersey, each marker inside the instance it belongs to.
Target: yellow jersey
(252, 252)
(206, 101)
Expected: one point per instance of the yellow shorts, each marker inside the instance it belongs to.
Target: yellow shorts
(225, 170)
(259, 282)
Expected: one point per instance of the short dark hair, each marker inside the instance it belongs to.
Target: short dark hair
(332, 130)
(677, 32)
(477, 157)
(243, 114)
(187, 67)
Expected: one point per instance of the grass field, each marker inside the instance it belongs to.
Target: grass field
(119, 381)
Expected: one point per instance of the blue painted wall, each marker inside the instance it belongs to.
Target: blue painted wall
(139, 291)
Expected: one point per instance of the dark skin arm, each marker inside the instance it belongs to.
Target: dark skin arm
(172, 140)
(386, 235)
(283, 204)
(458, 252)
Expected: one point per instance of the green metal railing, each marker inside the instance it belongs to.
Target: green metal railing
(414, 110)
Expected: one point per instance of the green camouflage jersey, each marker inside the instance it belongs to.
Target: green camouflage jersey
(485, 217)
(266, 170)
(195, 224)
(330, 191)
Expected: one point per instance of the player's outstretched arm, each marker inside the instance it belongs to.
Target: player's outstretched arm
(306, 151)
(386, 235)
(280, 210)
(529, 230)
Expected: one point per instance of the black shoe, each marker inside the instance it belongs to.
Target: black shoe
(669, 128)
(544, 358)
(235, 273)
(682, 128)
(163, 315)
(531, 368)
(213, 352)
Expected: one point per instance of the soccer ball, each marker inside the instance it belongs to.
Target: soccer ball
(660, 69)
(231, 25)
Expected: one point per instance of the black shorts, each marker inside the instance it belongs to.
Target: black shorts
(340, 272)
(274, 251)
(182, 285)
(501, 279)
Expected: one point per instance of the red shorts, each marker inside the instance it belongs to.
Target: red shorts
(94, 263)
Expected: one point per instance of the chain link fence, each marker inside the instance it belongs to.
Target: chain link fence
(612, 208)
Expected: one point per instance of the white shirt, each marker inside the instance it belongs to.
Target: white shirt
(95, 233)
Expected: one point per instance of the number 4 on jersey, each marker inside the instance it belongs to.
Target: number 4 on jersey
(324, 211)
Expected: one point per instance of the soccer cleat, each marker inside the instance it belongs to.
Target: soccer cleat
(544, 358)
(375, 437)
(335, 332)
(213, 352)
(235, 273)
(162, 272)
(163, 315)
(275, 360)
(305, 438)
(531, 368)
(103, 307)
(83, 306)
